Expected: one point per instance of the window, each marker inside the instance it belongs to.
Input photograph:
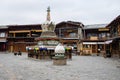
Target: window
(103, 35)
(114, 32)
(2, 34)
(108, 35)
(118, 29)
(86, 46)
(93, 34)
(88, 35)
(73, 35)
(10, 34)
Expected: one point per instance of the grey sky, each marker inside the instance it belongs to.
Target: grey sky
(34, 11)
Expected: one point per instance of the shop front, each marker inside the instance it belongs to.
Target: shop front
(3, 46)
(115, 48)
(93, 48)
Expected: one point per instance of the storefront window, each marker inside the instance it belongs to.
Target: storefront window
(86, 46)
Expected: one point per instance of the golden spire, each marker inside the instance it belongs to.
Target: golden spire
(48, 14)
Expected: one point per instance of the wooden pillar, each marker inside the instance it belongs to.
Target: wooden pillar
(119, 46)
(59, 32)
(96, 48)
(91, 48)
(11, 48)
(30, 34)
(104, 52)
(14, 35)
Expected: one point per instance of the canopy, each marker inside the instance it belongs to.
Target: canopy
(108, 42)
(89, 42)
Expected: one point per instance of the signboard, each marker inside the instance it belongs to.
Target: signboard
(103, 29)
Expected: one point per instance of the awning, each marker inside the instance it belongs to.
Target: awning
(93, 42)
(100, 42)
(89, 42)
(108, 42)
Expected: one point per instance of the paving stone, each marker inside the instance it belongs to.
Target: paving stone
(79, 68)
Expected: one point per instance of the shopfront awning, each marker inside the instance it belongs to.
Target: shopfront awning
(100, 42)
(108, 42)
(89, 42)
(93, 42)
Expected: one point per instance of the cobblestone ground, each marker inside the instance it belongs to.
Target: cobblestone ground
(79, 68)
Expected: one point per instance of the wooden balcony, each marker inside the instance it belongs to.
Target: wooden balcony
(20, 37)
(96, 38)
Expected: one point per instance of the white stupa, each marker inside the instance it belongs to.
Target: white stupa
(48, 37)
(59, 48)
(59, 58)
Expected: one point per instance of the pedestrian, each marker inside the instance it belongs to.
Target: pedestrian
(15, 53)
(19, 53)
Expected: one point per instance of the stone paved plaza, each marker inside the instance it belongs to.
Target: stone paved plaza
(79, 68)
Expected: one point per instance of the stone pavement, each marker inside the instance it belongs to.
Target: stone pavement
(79, 68)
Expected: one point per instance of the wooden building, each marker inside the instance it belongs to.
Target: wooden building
(70, 33)
(114, 46)
(20, 36)
(94, 39)
(3, 38)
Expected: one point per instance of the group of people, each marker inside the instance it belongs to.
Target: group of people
(18, 53)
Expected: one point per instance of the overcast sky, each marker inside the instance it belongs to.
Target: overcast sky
(34, 11)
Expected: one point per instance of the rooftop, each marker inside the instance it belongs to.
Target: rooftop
(71, 23)
(3, 27)
(95, 26)
(114, 22)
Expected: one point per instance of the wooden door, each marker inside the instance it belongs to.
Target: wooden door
(94, 48)
(19, 46)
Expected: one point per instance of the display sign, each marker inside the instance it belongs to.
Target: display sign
(103, 29)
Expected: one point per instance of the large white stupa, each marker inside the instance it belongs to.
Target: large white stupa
(48, 36)
(48, 43)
